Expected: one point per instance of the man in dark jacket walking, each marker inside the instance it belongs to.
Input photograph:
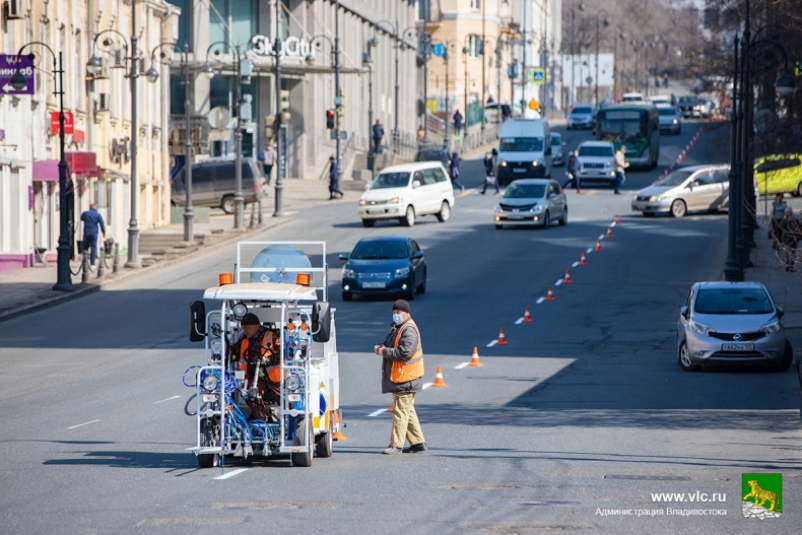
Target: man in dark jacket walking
(457, 123)
(92, 220)
(402, 375)
(334, 179)
(573, 171)
(378, 135)
(491, 168)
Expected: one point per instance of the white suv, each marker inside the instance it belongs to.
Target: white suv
(596, 161)
(404, 192)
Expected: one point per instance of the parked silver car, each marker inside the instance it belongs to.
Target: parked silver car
(731, 322)
(701, 187)
(557, 144)
(531, 202)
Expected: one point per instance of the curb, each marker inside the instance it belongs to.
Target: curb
(93, 287)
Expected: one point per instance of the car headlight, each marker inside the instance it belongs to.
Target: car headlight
(634, 197)
(675, 121)
(396, 200)
(535, 163)
(498, 208)
(401, 272)
(653, 198)
(701, 328)
(292, 383)
(349, 273)
(362, 202)
(239, 310)
(210, 383)
(771, 328)
(503, 164)
(537, 208)
(608, 164)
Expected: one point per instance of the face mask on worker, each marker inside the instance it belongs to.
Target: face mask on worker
(398, 318)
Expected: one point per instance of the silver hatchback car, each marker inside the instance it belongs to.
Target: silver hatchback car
(531, 202)
(701, 187)
(731, 322)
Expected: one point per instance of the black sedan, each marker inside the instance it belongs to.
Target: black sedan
(384, 265)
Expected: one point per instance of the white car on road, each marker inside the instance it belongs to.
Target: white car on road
(596, 161)
(405, 192)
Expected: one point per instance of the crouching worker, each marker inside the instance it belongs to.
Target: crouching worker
(257, 352)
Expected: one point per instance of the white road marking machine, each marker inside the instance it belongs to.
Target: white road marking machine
(289, 296)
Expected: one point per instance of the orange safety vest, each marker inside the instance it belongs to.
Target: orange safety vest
(274, 374)
(406, 370)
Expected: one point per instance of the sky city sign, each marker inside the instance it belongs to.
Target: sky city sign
(292, 47)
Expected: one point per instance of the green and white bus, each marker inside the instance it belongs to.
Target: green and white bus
(635, 125)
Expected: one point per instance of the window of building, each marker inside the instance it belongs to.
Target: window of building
(183, 21)
(232, 21)
(425, 10)
(476, 4)
(177, 95)
(474, 46)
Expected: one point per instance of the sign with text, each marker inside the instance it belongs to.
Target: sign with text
(8, 66)
(69, 123)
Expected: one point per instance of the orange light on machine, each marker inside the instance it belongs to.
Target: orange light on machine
(304, 279)
(225, 278)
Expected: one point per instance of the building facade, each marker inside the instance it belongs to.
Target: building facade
(220, 31)
(98, 147)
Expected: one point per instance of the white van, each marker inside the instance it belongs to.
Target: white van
(405, 192)
(632, 97)
(524, 150)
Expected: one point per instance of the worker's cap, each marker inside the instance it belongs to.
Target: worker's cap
(401, 306)
(250, 319)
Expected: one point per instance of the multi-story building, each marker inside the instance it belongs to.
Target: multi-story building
(98, 149)
(214, 31)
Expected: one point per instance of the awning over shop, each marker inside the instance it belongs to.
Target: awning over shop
(45, 171)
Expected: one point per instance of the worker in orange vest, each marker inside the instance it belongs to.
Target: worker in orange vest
(258, 345)
(402, 375)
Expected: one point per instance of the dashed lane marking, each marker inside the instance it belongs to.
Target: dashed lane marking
(559, 282)
(575, 264)
(461, 366)
(232, 473)
(168, 399)
(520, 321)
(426, 385)
(376, 413)
(83, 424)
(601, 236)
(491, 344)
(541, 300)
(590, 250)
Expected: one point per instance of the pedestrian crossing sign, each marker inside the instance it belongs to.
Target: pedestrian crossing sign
(538, 76)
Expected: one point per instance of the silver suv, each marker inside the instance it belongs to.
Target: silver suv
(596, 159)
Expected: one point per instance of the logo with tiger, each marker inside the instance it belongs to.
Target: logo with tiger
(762, 495)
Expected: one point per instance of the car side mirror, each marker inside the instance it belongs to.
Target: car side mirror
(417, 254)
(780, 312)
(684, 312)
(197, 321)
(691, 185)
(343, 256)
(415, 184)
(321, 322)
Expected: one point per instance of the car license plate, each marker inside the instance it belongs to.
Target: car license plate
(737, 347)
(209, 397)
(374, 285)
(519, 170)
(376, 211)
(515, 216)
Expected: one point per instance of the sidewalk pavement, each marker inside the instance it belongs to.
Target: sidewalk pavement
(26, 290)
(785, 287)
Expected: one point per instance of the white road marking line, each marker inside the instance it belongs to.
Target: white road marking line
(560, 281)
(601, 236)
(168, 399)
(491, 344)
(520, 321)
(590, 250)
(426, 385)
(541, 300)
(233, 473)
(376, 413)
(575, 264)
(83, 424)
(462, 365)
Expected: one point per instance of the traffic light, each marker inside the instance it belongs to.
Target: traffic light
(330, 119)
(285, 106)
(340, 109)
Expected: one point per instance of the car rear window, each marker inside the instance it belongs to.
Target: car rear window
(525, 191)
(380, 250)
(733, 301)
(429, 156)
(596, 151)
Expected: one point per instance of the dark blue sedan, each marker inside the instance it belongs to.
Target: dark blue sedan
(384, 265)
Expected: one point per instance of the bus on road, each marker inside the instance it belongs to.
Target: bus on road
(637, 127)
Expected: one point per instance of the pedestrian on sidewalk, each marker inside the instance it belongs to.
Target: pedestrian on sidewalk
(457, 123)
(620, 166)
(453, 172)
(490, 162)
(790, 232)
(572, 172)
(378, 135)
(334, 179)
(269, 157)
(778, 206)
(402, 376)
(92, 220)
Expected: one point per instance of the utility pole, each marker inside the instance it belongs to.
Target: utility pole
(277, 52)
(189, 214)
(337, 97)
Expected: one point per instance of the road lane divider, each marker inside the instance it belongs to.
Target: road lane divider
(609, 232)
(460, 366)
(83, 424)
(438, 379)
(491, 344)
(550, 295)
(575, 264)
(168, 399)
(475, 359)
(233, 473)
(378, 412)
(567, 278)
(526, 319)
(502, 338)
(540, 300)
(426, 385)
(590, 250)
(558, 282)
(598, 247)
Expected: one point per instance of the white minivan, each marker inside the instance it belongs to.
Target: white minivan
(524, 150)
(405, 192)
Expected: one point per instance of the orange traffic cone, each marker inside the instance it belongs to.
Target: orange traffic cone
(475, 358)
(598, 246)
(527, 317)
(567, 278)
(550, 295)
(616, 221)
(583, 261)
(502, 340)
(609, 232)
(438, 379)
(338, 435)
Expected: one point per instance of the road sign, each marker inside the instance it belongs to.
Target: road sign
(8, 66)
(69, 122)
(538, 76)
(438, 49)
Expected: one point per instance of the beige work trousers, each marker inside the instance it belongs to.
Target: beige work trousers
(405, 421)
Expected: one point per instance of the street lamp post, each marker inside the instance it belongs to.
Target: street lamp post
(598, 35)
(18, 82)
(581, 7)
(621, 36)
(279, 187)
(367, 61)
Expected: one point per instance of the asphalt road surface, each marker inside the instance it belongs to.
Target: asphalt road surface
(535, 441)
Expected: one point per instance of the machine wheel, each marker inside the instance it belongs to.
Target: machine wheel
(798, 190)
(684, 359)
(409, 218)
(564, 218)
(368, 222)
(444, 213)
(227, 204)
(499, 227)
(678, 208)
(324, 444)
(788, 358)
(422, 286)
(411, 292)
(347, 296)
(206, 460)
(301, 429)
(546, 221)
